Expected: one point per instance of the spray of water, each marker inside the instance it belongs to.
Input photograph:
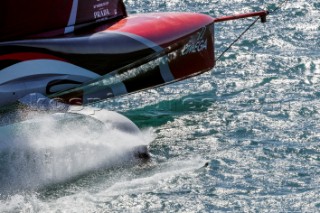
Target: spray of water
(54, 148)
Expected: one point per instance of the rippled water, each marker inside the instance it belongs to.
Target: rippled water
(254, 119)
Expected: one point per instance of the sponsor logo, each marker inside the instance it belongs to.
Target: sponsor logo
(100, 5)
(196, 45)
(101, 13)
(101, 10)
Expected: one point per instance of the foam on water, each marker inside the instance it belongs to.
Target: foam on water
(154, 177)
(55, 148)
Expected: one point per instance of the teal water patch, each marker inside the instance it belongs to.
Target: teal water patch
(166, 110)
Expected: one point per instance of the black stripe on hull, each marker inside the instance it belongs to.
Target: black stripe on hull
(7, 63)
(149, 79)
(103, 54)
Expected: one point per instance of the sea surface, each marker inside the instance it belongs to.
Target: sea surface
(254, 120)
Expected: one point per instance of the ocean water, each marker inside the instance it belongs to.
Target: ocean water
(254, 118)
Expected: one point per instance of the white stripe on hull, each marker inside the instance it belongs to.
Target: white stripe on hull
(72, 18)
(165, 71)
(33, 76)
(42, 67)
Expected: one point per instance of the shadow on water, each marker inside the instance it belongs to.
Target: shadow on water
(165, 111)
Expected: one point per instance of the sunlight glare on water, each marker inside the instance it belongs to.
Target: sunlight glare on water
(254, 118)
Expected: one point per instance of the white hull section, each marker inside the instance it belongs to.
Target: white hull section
(34, 76)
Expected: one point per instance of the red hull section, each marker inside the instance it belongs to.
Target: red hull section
(163, 28)
(174, 29)
(131, 54)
